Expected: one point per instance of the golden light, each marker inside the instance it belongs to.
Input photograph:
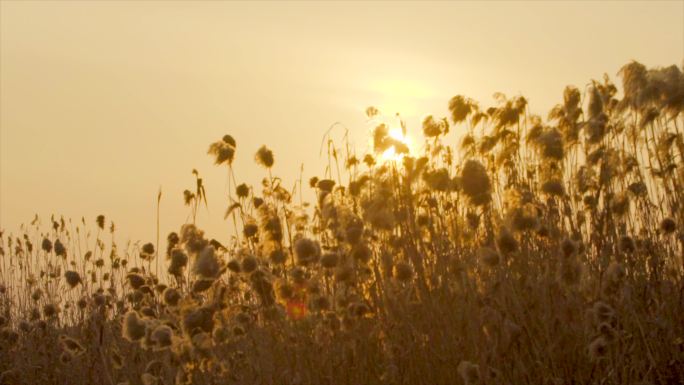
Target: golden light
(391, 153)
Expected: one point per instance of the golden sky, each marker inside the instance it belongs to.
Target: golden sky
(101, 103)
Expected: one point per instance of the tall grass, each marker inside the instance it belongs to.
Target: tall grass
(535, 251)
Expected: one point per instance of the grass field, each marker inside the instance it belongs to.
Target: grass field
(538, 250)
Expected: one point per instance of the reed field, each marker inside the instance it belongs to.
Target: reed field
(533, 250)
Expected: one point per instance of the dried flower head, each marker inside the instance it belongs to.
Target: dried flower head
(207, 265)
(193, 239)
(506, 242)
(178, 262)
(134, 327)
(403, 272)
(284, 290)
(554, 187)
(50, 310)
(162, 337)
(362, 253)
(135, 280)
(475, 183)
(171, 296)
(234, 265)
(46, 245)
(307, 251)
(668, 226)
(196, 320)
(249, 264)
(59, 248)
(201, 285)
(72, 278)
(223, 151)
(264, 157)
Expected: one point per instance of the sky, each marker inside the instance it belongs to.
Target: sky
(104, 103)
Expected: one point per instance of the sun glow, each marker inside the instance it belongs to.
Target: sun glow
(391, 153)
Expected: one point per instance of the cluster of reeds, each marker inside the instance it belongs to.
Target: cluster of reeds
(537, 251)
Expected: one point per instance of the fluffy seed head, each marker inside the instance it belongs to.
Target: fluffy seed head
(222, 151)
(242, 191)
(133, 326)
(202, 285)
(193, 239)
(198, 320)
(46, 245)
(72, 278)
(403, 272)
(207, 264)
(506, 242)
(306, 251)
(135, 280)
(148, 249)
(234, 265)
(362, 253)
(171, 296)
(50, 310)
(553, 187)
(284, 290)
(668, 226)
(551, 144)
(250, 230)
(249, 264)
(162, 337)
(475, 183)
(264, 157)
(620, 205)
(277, 256)
(298, 275)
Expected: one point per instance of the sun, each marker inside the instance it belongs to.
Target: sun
(391, 155)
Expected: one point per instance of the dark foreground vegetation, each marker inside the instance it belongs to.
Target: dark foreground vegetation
(535, 251)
